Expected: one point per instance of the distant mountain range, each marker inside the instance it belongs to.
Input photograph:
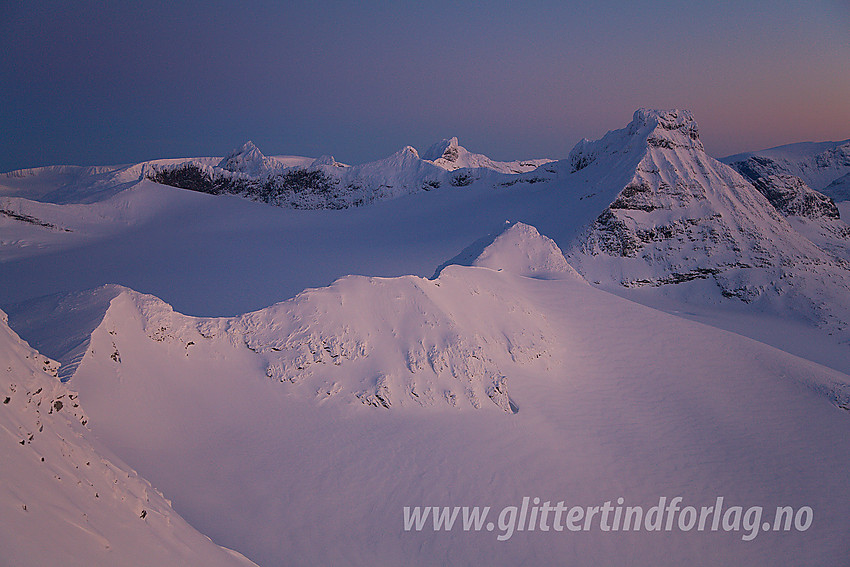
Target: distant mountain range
(484, 355)
(823, 166)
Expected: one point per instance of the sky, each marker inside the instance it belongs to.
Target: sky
(120, 82)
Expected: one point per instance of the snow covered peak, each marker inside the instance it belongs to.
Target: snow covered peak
(450, 155)
(649, 128)
(326, 160)
(666, 128)
(522, 250)
(674, 119)
(247, 159)
(662, 129)
(447, 149)
(403, 158)
(410, 150)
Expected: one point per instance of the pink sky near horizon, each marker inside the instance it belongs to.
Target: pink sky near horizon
(96, 83)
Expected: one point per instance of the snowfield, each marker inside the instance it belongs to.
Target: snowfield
(68, 500)
(636, 321)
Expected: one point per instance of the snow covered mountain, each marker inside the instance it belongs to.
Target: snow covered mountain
(678, 217)
(249, 160)
(298, 433)
(819, 165)
(449, 155)
(328, 184)
(297, 427)
(65, 498)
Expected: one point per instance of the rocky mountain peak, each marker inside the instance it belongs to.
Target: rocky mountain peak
(246, 159)
(446, 149)
(666, 128)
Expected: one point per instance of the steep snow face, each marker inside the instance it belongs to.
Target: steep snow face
(818, 164)
(66, 501)
(302, 430)
(450, 155)
(682, 216)
(79, 314)
(521, 250)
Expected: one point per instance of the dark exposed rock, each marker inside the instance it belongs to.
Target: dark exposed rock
(28, 219)
(296, 188)
(636, 197)
(792, 197)
(195, 178)
(611, 235)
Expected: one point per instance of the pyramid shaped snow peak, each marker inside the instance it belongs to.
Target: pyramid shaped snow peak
(246, 159)
(521, 249)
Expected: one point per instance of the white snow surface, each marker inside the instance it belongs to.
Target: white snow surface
(839, 189)
(520, 249)
(315, 421)
(65, 499)
(295, 424)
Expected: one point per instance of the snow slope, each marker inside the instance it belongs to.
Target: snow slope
(839, 189)
(64, 498)
(818, 164)
(520, 249)
(222, 255)
(296, 434)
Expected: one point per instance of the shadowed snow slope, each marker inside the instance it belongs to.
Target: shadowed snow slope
(66, 502)
(298, 433)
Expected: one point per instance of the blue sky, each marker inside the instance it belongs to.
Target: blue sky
(111, 82)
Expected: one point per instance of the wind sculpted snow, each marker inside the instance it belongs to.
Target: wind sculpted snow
(299, 432)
